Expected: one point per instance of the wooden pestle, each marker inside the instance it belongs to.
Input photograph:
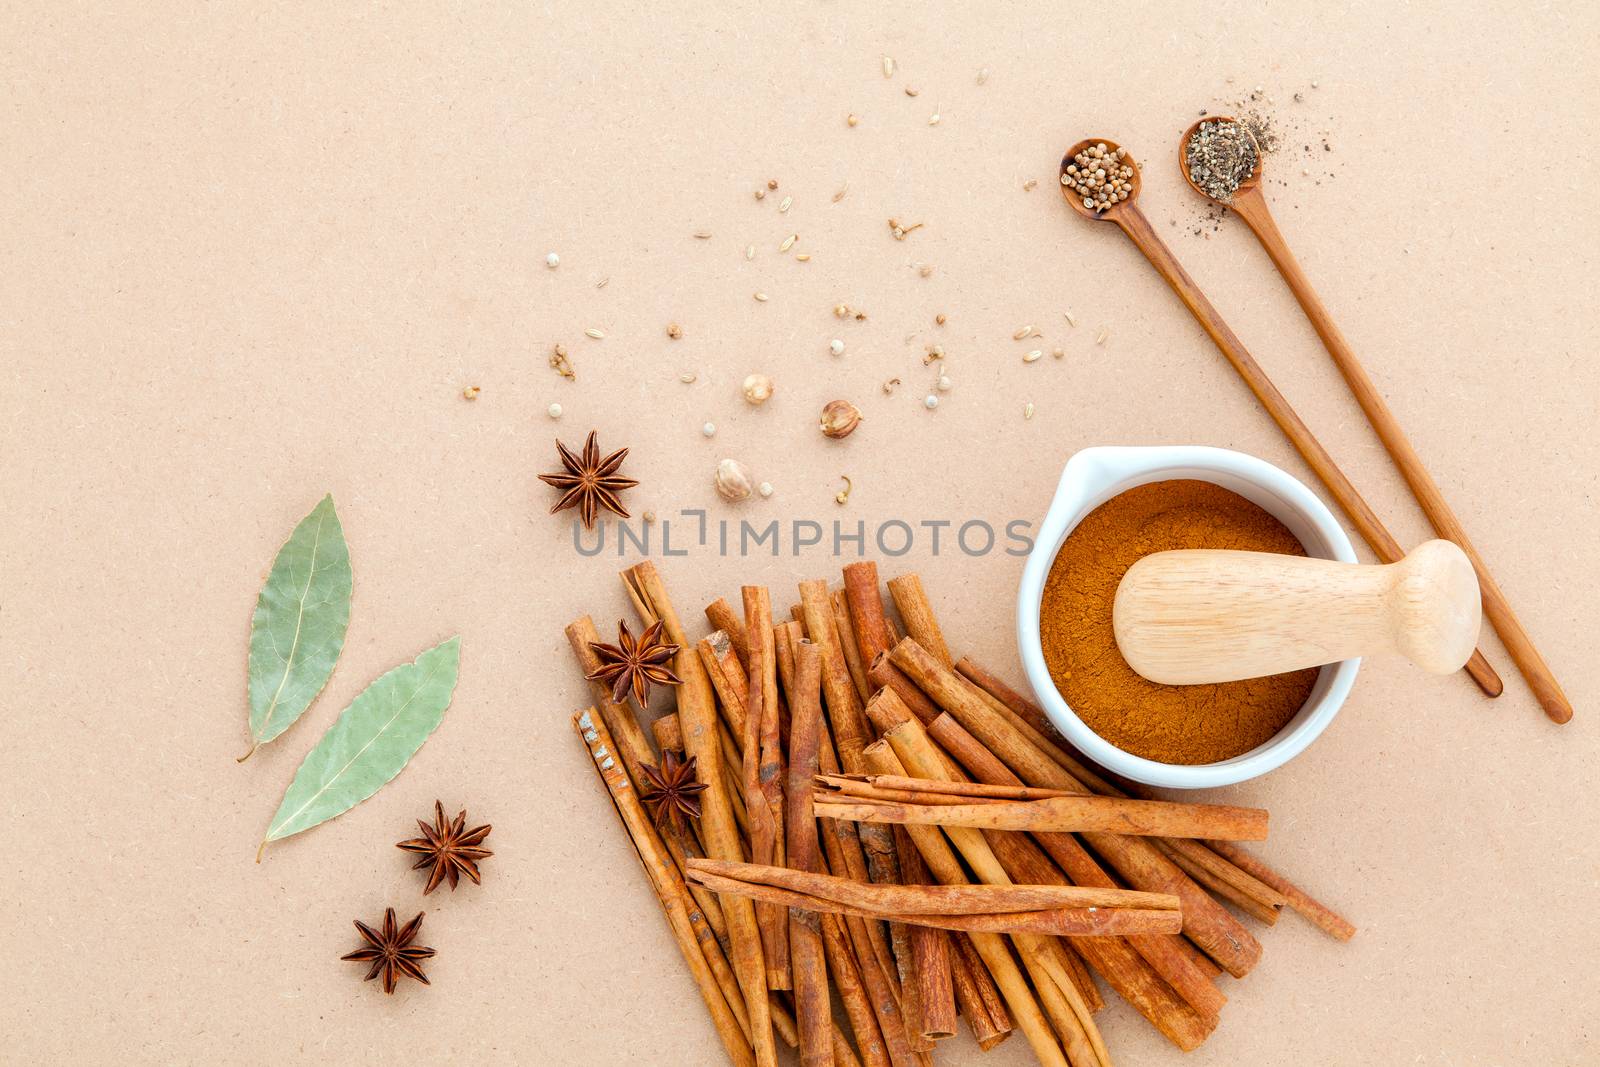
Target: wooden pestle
(1209, 615)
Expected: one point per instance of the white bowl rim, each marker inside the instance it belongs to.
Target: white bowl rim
(1093, 475)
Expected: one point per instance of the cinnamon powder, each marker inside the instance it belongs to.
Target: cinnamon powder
(1187, 724)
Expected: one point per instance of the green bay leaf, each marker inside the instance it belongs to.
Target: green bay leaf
(371, 742)
(298, 628)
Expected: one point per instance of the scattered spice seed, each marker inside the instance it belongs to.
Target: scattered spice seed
(552, 261)
(925, 270)
(839, 419)
(843, 495)
(788, 242)
(900, 231)
(765, 489)
(554, 411)
(1100, 338)
(762, 297)
(709, 429)
(933, 119)
(783, 208)
(1028, 185)
(1021, 332)
(1072, 320)
(595, 332)
(674, 331)
(861, 316)
(845, 188)
(732, 481)
(749, 251)
(757, 389)
(688, 377)
(888, 67)
(761, 194)
(703, 235)
(912, 90)
(934, 352)
(772, 183)
(930, 401)
(836, 346)
(888, 386)
(1033, 355)
(1058, 352)
(943, 384)
(938, 320)
(983, 76)
(841, 311)
(603, 282)
(803, 257)
(1027, 410)
(471, 392)
(649, 516)
(851, 120)
(562, 365)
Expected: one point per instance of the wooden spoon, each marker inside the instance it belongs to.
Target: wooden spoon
(1131, 221)
(1209, 615)
(1251, 205)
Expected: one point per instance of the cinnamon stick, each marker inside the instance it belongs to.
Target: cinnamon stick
(922, 625)
(807, 958)
(885, 675)
(763, 775)
(664, 880)
(849, 645)
(853, 993)
(865, 600)
(1141, 863)
(697, 716)
(722, 617)
(980, 999)
(1326, 919)
(930, 973)
(1141, 818)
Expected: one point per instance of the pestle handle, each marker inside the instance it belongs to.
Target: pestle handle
(1207, 615)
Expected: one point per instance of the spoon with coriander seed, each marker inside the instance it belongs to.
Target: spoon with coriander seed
(1114, 197)
(1221, 159)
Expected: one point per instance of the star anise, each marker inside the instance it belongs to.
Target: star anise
(634, 664)
(449, 848)
(391, 952)
(674, 793)
(591, 483)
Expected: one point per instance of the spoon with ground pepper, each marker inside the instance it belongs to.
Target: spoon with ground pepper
(1221, 159)
(1124, 211)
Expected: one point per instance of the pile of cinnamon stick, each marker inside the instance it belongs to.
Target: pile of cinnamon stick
(857, 774)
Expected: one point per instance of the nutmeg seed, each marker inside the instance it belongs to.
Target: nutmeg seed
(733, 481)
(757, 388)
(840, 419)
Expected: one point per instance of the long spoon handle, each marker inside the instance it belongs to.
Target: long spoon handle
(1143, 235)
(1251, 206)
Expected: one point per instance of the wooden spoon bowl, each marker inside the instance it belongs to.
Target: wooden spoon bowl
(1249, 185)
(1121, 207)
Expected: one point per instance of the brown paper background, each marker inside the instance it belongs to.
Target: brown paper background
(253, 254)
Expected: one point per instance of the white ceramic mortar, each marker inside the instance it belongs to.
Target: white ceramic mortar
(1094, 476)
